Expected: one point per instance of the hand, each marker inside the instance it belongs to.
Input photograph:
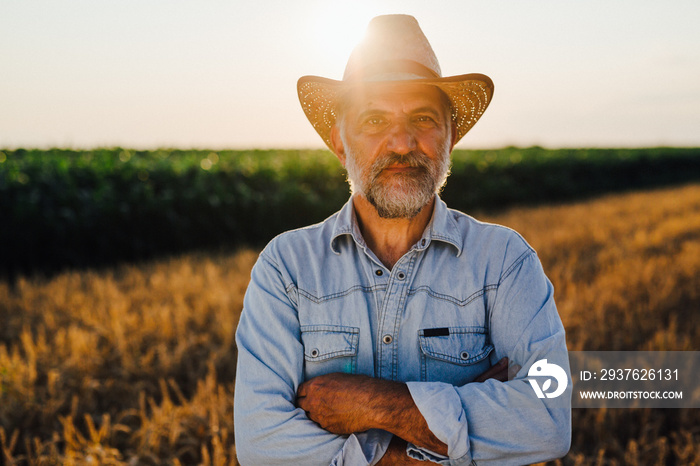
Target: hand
(499, 371)
(339, 402)
(396, 454)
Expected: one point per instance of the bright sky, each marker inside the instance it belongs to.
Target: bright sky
(222, 74)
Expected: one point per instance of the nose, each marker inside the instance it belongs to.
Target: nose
(401, 139)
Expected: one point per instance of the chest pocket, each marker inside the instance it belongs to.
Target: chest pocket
(329, 348)
(455, 355)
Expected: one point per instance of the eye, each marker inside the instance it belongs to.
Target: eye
(374, 123)
(424, 120)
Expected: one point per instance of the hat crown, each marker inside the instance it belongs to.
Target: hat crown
(393, 48)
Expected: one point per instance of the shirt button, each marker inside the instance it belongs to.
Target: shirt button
(401, 275)
(379, 273)
(422, 242)
(314, 353)
(387, 339)
(464, 355)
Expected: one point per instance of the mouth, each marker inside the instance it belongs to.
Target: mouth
(400, 168)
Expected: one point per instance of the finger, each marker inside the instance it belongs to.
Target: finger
(501, 375)
(302, 390)
(493, 370)
(513, 371)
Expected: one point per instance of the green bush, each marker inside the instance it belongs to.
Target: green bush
(65, 208)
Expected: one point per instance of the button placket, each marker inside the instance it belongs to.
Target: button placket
(387, 358)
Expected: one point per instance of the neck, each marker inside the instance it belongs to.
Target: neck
(390, 238)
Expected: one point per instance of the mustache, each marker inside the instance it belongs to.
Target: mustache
(414, 159)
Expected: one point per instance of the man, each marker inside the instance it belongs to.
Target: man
(363, 338)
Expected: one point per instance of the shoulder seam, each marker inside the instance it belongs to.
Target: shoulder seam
(529, 251)
(288, 287)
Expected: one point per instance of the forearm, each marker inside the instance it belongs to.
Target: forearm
(394, 410)
(346, 404)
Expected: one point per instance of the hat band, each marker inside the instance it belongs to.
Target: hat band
(390, 67)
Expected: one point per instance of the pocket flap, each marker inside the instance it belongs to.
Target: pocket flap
(462, 345)
(329, 341)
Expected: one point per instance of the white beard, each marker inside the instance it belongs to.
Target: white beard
(403, 195)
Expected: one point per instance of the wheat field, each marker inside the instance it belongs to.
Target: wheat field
(135, 364)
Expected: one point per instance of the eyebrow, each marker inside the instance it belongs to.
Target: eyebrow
(370, 111)
(427, 109)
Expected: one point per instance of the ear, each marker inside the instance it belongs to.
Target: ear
(337, 144)
(453, 135)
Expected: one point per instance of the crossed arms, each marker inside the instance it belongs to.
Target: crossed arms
(344, 404)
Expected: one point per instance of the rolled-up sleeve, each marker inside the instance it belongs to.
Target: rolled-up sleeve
(505, 422)
(269, 428)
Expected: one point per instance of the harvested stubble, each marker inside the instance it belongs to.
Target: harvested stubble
(135, 365)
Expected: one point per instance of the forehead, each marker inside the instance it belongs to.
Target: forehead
(390, 96)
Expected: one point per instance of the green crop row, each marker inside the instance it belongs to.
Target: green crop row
(64, 208)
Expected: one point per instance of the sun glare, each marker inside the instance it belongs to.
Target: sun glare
(340, 26)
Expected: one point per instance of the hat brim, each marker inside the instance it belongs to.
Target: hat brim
(470, 95)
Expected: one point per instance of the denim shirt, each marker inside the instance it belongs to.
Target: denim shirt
(464, 296)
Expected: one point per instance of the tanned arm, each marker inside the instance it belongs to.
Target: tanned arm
(344, 404)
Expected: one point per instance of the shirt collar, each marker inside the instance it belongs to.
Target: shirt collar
(442, 227)
(346, 224)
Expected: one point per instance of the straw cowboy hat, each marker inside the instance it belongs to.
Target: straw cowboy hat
(394, 49)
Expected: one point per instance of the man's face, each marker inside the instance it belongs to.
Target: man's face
(395, 142)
